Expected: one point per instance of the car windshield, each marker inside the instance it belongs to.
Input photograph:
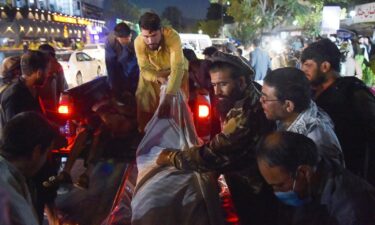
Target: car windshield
(63, 57)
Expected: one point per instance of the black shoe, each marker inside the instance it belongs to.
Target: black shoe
(54, 181)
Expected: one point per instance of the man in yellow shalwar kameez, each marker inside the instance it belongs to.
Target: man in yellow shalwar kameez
(159, 55)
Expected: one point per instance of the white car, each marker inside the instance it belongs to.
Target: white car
(79, 67)
(95, 50)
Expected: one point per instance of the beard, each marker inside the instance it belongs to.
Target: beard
(40, 81)
(153, 47)
(223, 107)
(226, 103)
(318, 79)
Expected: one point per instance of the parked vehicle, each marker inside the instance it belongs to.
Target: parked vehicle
(96, 51)
(76, 103)
(197, 42)
(79, 67)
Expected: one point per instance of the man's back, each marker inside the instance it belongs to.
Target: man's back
(16, 99)
(352, 109)
(260, 61)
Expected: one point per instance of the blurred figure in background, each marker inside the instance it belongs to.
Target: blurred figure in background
(10, 71)
(259, 61)
(55, 82)
(121, 61)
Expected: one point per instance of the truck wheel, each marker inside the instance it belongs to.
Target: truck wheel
(79, 78)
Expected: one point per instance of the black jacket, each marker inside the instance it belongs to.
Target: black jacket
(352, 108)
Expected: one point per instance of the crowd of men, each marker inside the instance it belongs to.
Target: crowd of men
(298, 150)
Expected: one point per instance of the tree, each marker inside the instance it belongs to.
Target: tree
(254, 17)
(174, 16)
(120, 9)
(210, 27)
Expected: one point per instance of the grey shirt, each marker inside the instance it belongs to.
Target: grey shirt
(317, 125)
(21, 209)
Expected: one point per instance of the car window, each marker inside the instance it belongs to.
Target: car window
(79, 57)
(86, 57)
(90, 47)
(63, 57)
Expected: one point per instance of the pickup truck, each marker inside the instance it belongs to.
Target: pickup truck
(76, 103)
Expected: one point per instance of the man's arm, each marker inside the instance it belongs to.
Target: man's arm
(230, 147)
(145, 67)
(177, 61)
(110, 59)
(252, 59)
(10, 108)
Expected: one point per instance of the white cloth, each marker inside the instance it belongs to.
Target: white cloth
(165, 195)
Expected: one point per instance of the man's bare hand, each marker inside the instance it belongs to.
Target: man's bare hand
(165, 107)
(162, 76)
(162, 80)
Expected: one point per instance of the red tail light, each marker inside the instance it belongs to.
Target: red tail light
(203, 111)
(64, 109)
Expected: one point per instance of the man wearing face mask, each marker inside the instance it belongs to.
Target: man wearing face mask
(313, 191)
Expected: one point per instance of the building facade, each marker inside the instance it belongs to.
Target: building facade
(37, 21)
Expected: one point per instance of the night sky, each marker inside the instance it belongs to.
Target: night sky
(190, 8)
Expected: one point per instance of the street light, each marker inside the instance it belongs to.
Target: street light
(227, 3)
(352, 13)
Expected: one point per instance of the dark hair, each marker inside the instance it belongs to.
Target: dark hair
(122, 30)
(290, 84)
(150, 21)
(189, 54)
(321, 51)
(47, 49)
(32, 61)
(24, 132)
(288, 150)
(10, 68)
(256, 42)
(209, 51)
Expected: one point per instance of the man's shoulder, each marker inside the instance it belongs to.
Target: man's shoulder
(350, 86)
(170, 36)
(14, 89)
(350, 190)
(139, 43)
(169, 31)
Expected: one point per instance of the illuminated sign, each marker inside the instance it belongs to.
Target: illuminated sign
(331, 19)
(83, 22)
(364, 13)
(65, 19)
